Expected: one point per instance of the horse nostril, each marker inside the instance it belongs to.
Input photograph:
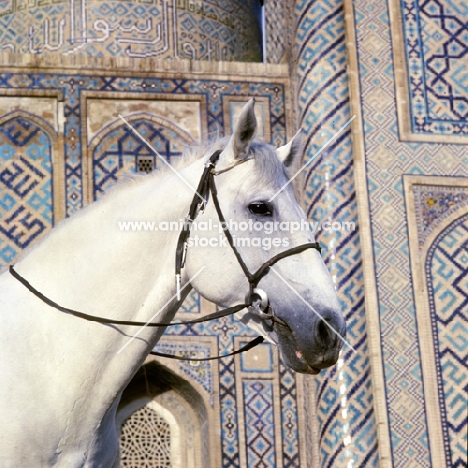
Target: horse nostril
(323, 331)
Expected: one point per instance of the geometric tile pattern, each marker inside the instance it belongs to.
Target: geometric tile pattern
(214, 91)
(202, 30)
(386, 160)
(447, 279)
(220, 30)
(275, 30)
(436, 47)
(344, 399)
(289, 418)
(192, 304)
(26, 198)
(433, 204)
(260, 423)
(145, 440)
(201, 372)
(229, 416)
(120, 149)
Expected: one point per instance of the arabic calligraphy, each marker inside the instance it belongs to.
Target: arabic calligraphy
(200, 8)
(141, 39)
(193, 29)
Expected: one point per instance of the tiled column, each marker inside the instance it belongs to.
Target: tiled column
(347, 427)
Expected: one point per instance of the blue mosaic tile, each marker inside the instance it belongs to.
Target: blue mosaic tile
(436, 46)
(26, 198)
(447, 279)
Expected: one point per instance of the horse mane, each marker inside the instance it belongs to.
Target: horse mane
(269, 168)
(191, 153)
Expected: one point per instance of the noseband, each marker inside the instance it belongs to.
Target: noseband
(257, 299)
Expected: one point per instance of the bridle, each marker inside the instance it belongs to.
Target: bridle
(257, 299)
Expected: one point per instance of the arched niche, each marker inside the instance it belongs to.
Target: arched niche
(446, 271)
(435, 208)
(118, 150)
(161, 419)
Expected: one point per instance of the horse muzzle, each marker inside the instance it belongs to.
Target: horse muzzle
(308, 345)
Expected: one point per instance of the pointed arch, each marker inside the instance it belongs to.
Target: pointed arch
(116, 150)
(446, 272)
(168, 412)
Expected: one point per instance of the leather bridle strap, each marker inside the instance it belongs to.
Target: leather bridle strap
(227, 233)
(94, 318)
(106, 321)
(256, 341)
(263, 270)
(195, 206)
(207, 184)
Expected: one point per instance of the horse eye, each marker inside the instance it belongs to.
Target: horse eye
(260, 208)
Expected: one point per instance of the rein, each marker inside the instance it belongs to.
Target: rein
(257, 298)
(107, 321)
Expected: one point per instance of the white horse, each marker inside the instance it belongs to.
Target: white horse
(61, 377)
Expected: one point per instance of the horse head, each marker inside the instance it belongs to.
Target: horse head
(294, 303)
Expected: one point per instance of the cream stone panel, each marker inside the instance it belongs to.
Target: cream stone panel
(185, 114)
(44, 107)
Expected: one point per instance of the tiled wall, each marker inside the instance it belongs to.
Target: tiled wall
(401, 165)
(407, 60)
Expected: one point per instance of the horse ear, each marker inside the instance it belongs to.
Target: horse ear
(291, 153)
(244, 132)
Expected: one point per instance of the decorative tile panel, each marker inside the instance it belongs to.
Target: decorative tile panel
(26, 192)
(276, 30)
(259, 360)
(192, 304)
(118, 151)
(201, 372)
(384, 158)
(433, 48)
(433, 204)
(260, 423)
(290, 432)
(447, 279)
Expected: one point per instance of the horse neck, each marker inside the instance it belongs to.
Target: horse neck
(90, 261)
(89, 264)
